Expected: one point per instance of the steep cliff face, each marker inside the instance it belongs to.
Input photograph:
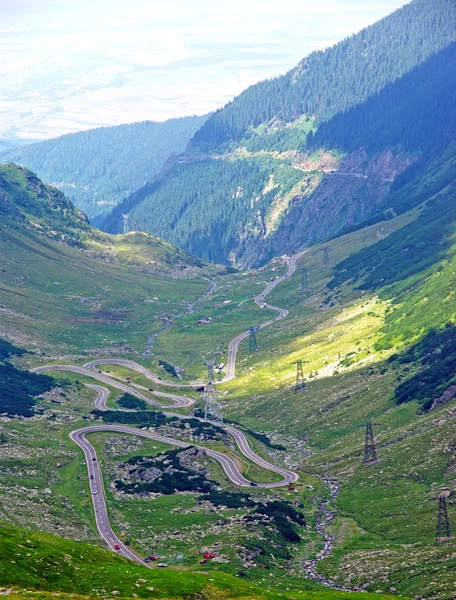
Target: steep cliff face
(337, 199)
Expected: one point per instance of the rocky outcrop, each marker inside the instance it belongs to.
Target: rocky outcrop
(448, 394)
(342, 199)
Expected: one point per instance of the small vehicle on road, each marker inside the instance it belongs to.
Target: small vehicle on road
(91, 477)
(116, 547)
(162, 565)
(147, 559)
(253, 484)
(94, 492)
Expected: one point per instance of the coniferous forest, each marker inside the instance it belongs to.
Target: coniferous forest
(99, 168)
(255, 196)
(329, 82)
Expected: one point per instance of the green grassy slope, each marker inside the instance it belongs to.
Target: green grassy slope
(47, 566)
(346, 334)
(364, 336)
(67, 286)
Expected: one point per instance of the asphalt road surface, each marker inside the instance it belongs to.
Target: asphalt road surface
(228, 464)
(234, 344)
(239, 437)
(178, 401)
(96, 482)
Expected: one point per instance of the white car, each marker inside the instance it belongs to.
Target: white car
(94, 492)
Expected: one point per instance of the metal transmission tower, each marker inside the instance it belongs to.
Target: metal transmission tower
(443, 532)
(370, 455)
(252, 341)
(212, 408)
(210, 369)
(304, 281)
(326, 262)
(125, 224)
(300, 381)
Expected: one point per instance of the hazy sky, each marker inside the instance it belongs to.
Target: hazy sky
(69, 65)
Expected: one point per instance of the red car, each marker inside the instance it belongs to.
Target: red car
(116, 547)
(207, 555)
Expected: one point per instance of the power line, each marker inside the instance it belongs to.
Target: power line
(212, 408)
(125, 224)
(210, 369)
(304, 281)
(326, 262)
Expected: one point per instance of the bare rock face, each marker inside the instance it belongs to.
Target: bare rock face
(192, 459)
(338, 199)
(447, 395)
(148, 475)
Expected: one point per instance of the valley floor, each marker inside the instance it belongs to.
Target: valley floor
(384, 516)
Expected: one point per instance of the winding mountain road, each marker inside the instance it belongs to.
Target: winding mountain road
(228, 464)
(178, 401)
(233, 346)
(96, 480)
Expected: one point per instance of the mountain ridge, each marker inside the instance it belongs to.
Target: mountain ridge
(99, 167)
(269, 192)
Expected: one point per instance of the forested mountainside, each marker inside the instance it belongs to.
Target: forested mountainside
(98, 168)
(328, 82)
(284, 185)
(415, 113)
(376, 334)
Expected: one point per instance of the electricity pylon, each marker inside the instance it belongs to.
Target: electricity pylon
(443, 532)
(210, 369)
(304, 281)
(252, 340)
(300, 381)
(212, 408)
(125, 224)
(326, 262)
(370, 455)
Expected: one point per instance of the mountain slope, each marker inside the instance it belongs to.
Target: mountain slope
(53, 566)
(377, 345)
(328, 82)
(285, 185)
(376, 337)
(62, 282)
(359, 347)
(98, 168)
